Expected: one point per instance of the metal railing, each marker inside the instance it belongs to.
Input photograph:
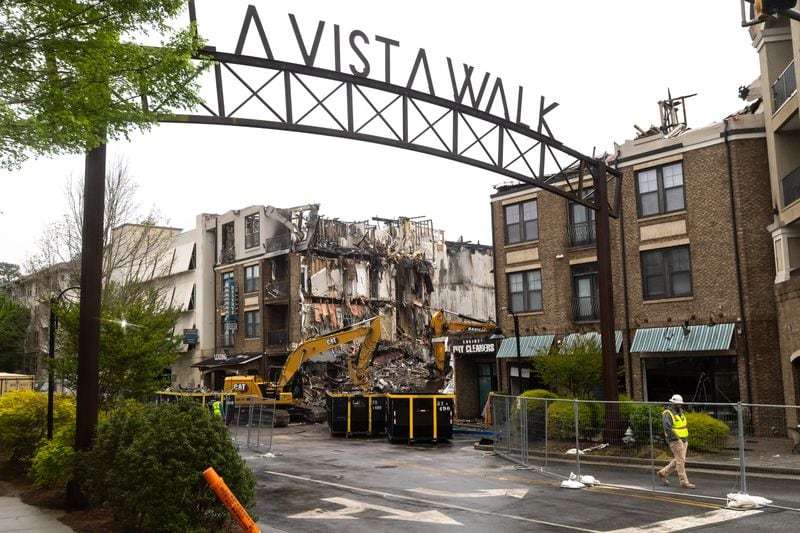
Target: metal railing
(791, 186)
(279, 243)
(276, 290)
(581, 234)
(784, 87)
(585, 309)
(278, 337)
(753, 449)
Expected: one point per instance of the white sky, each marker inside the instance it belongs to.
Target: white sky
(606, 63)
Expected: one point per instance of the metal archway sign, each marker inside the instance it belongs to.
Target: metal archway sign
(308, 99)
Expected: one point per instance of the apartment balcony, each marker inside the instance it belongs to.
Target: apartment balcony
(581, 234)
(278, 337)
(585, 309)
(791, 186)
(281, 243)
(784, 87)
(277, 290)
(227, 255)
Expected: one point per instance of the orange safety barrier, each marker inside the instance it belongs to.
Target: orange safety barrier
(231, 503)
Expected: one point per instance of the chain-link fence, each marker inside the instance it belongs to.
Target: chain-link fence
(746, 449)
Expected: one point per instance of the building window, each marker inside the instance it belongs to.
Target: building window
(525, 290)
(581, 229)
(228, 242)
(522, 222)
(585, 293)
(228, 333)
(660, 190)
(251, 277)
(252, 324)
(193, 258)
(667, 273)
(225, 277)
(252, 230)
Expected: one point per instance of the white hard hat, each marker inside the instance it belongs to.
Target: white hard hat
(676, 398)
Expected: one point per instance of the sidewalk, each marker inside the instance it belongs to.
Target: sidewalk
(19, 517)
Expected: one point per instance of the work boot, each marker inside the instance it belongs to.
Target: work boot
(688, 485)
(662, 477)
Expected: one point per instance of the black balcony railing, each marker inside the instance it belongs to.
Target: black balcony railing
(784, 87)
(791, 186)
(585, 309)
(278, 337)
(276, 290)
(279, 243)
(581, 233)
(227, 255)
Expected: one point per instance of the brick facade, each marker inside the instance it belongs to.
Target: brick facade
(722, 292)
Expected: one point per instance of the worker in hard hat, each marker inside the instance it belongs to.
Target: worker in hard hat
(676, 432)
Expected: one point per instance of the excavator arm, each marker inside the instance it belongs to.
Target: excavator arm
(370, 330)
(441, 326)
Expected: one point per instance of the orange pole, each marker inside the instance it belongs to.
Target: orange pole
(231, 503)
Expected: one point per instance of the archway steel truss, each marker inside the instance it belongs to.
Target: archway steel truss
(267, 93)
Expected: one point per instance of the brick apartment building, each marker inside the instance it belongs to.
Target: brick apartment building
(691, 260)
(777, 43)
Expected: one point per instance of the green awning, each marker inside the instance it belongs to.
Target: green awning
(572, 337)
(675, 339)
(528, 346)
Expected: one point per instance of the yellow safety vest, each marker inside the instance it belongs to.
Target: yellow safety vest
(679, 425)
(217, 407)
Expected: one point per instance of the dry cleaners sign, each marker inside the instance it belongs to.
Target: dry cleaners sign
(472, 347)
(374, 57)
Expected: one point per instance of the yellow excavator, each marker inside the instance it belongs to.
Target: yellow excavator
(442, 327)
(281, 397)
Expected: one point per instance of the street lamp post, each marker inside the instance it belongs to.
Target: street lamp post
(51, 380)
(519, 351)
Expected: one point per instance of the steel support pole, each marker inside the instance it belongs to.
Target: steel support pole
(519, 353)
(91, 289)
(606, 292)
(51, 380)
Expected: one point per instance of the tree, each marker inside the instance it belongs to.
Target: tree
(136, 341)
(135, 242)
(8, 272)
(575, 368)
(14, 320)
(69, 80)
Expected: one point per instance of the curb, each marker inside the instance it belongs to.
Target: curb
(632, 461)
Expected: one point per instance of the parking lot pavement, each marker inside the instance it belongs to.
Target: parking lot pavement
(311, 480)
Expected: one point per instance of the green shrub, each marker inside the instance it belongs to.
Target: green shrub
(626, 406)
(54, 463)
(561, 419)
(640, 423)
(23, 421)
(147, 463)
(534, 405)
(706, 433)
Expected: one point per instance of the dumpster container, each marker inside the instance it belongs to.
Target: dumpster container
(356, 414)
(419, 417)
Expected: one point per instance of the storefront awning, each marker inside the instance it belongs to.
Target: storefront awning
(528, 346)
(572, 337)
(227, 361)
(679, 339)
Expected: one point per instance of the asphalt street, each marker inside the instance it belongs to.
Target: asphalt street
(310, 481)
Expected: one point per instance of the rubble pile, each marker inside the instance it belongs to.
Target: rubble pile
(404, 375)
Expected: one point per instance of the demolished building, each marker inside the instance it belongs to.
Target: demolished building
(274, 277)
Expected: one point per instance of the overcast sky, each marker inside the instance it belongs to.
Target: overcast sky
(606, 63)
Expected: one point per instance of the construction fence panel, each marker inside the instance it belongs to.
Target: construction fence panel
(250, 423)
(748, 449)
